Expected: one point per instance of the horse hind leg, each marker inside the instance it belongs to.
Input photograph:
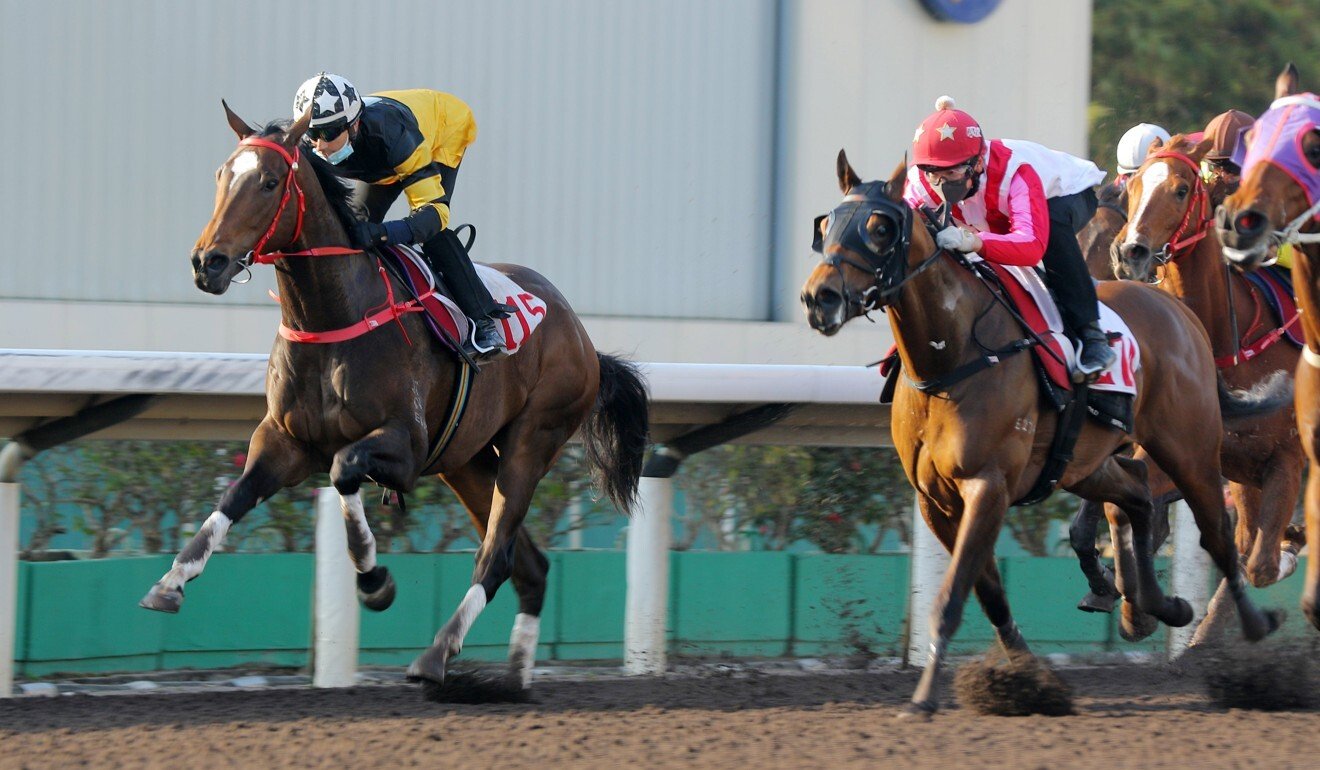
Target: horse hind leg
(1121, 481)
(1081, 535)
(1200, 484)
(475, 485)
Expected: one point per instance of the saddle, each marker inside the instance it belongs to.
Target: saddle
(1107, 400)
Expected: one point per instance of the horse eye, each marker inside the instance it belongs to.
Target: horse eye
(270, 184)
(1181, 192)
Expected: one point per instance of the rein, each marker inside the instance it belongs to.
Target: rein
(383, 314)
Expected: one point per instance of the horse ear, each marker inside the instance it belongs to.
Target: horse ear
(1156, 145)
(239, 125)
(299, 127)
(894, 187)
(847, 177)
(1286, 83)
(1201, 148)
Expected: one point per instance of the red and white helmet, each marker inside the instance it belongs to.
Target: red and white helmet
(947, 137)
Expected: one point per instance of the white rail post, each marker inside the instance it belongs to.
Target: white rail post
(335, 618)
(647, 611)
(929, 563)
(1190, 576)
(9, 494)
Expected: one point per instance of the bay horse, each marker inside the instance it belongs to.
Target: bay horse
(975, 444)
(1099, 233)
(1169, 240)
(1278, 202)
(370, 407)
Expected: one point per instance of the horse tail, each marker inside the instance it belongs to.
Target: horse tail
(617, 430)
(1266, 396)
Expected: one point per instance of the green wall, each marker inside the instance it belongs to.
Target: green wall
(82, 616)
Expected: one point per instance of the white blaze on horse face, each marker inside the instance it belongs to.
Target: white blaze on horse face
(242, 163)
(1151, 179)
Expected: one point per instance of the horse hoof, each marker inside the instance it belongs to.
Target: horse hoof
(1093, 602)
(376, 589)
(1136, 625)
(162, 599)
(1261, 623)
(1177, 612)
(918, 711)
(430, 665)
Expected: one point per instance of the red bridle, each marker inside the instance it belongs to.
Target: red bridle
(390, 311)
(290, 186)
(1192, 228)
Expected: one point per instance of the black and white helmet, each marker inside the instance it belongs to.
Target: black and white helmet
(335, 102)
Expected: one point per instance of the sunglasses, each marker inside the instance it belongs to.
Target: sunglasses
(326, 134)
(948, 172)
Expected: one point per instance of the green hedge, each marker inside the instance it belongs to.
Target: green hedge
(82, 616)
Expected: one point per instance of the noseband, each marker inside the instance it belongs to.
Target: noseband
(887, 265)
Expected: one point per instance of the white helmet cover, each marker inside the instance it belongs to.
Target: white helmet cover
(334, 100)
(1135, 143)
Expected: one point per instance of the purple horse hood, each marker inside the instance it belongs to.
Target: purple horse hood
(1277, 138)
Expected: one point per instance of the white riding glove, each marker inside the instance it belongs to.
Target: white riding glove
(955, 238)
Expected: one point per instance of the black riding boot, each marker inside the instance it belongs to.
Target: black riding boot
(448, 258)
(1096, 355)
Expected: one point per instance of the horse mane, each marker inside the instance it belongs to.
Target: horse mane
(336, 192)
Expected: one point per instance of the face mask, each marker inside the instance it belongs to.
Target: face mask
(954, 191)
(340, 155)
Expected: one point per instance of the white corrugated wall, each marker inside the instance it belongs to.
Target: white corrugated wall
(624, 148)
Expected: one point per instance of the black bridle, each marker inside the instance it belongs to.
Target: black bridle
(887, 264)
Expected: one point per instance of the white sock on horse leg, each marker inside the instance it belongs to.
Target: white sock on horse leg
(1287, 563)
(522, 644)
(361, 543)
(189, 564)
(468, 610)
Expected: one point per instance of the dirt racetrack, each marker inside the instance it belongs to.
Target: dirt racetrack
(1127, 716)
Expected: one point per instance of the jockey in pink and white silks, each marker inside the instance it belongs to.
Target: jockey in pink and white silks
(1015, 203)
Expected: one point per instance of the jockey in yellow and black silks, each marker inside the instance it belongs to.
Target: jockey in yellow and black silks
(409, 142)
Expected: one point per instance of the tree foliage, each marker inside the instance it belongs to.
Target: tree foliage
(1178, 63)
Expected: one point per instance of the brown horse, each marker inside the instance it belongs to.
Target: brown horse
(1278, 203)
(369, 408)
(1098, 234)
(1169, 239)
(972, 445)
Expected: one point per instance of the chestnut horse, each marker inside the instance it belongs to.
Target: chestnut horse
(1279, 202)
(1168, 239)
(369, 408)
(973, 445)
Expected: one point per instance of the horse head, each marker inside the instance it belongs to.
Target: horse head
(868, 249)
(1280, 191)
(1168, 209)
(252, 192)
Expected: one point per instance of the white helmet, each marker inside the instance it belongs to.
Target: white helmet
(335, 102)
(1135, 143)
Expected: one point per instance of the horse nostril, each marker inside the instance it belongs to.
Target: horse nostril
(828, 299)
(1134, 252)
(215, 261)
(1249, 222)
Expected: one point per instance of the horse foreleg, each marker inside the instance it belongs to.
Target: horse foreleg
(275, 461)
(984, 503)
(386, 455)
(1081, 535)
